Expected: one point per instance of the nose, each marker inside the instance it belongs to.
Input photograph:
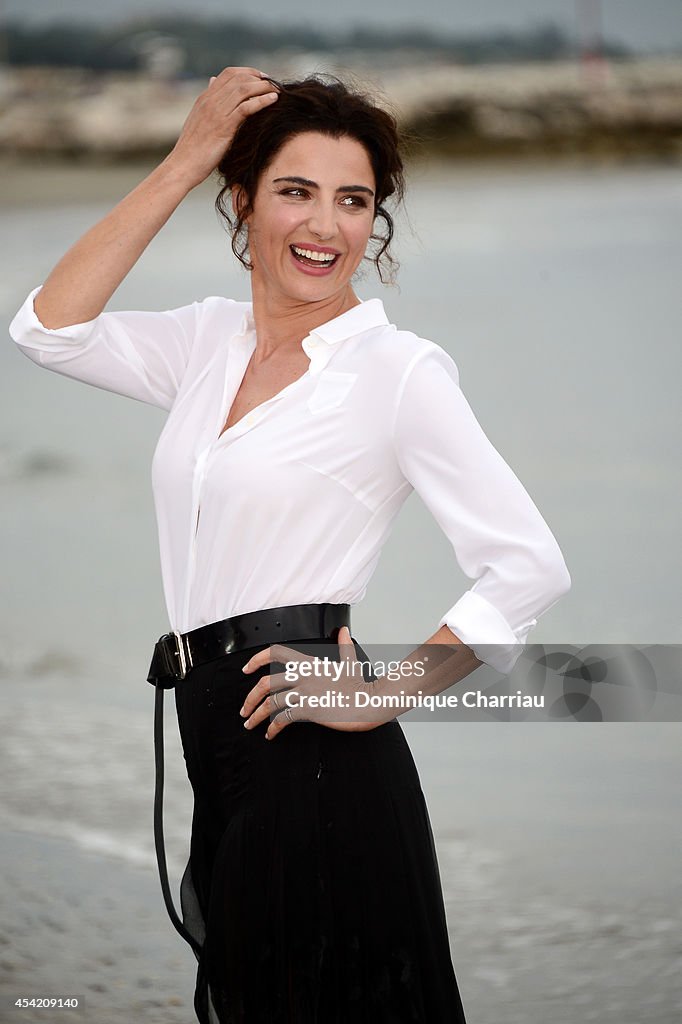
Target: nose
(322, 220)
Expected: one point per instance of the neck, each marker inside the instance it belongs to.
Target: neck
(283, 323)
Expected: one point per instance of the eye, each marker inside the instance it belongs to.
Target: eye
(293, 190)
(355, 201)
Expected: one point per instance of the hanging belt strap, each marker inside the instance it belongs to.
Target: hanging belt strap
(175, 654)
(158, 822)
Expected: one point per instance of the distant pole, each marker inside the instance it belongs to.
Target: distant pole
(590, 36)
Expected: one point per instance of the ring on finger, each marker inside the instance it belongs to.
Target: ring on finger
(274, 81)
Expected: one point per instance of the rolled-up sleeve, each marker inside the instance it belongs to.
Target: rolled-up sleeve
(139, 354)
(499, 537)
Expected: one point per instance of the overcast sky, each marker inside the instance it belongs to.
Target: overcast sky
(641, 24)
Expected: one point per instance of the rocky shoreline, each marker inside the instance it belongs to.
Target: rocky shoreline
(621, 108)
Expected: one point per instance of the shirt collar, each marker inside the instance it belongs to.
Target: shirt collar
(362, 317)
(248, 324)
(319, 344)
(369, 313)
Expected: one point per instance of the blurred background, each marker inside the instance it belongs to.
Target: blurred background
(540, 245)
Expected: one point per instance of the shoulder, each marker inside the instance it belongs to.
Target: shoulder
(218, 319)
(214, 307)
(398, 353)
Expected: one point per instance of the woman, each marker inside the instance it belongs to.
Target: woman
(298, 425)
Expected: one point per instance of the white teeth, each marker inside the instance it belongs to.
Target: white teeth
(320, 257)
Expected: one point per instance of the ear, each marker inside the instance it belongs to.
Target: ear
(239, 199)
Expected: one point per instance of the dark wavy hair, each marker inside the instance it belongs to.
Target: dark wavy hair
(322, 104)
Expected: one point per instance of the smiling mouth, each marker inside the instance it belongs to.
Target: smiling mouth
(314, 259)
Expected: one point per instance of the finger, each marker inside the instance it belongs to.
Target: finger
(248, 84)
(276, 652)
(269, 707)
(245, 81)
(242, 96)
(282, 720)
(344, 636)
(258, 660)
(346, 645)
(255, 696)
(278, 682)
(237, 87)
(230, 72)
(255, 103)
(269, 683)
(263, 711)
(273, 81)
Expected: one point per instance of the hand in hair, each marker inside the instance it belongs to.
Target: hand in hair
(213, 120)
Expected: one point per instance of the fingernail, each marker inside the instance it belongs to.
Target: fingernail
(241, 711)
(247, 724)
(245, 668)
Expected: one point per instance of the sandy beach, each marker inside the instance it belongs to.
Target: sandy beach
(78, 924)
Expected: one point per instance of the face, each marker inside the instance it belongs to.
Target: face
(312, 218)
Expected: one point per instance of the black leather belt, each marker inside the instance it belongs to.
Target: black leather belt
(176, 654)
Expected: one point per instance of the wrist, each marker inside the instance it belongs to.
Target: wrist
(177, 175)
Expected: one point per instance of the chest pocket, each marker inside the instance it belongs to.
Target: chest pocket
(332, 388)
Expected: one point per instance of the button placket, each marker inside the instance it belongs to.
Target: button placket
(199, 474)
(198, 479)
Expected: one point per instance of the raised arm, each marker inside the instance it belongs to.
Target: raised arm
(85, 278)
(143, 355)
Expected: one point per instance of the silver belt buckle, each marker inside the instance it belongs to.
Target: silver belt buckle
(182, 657)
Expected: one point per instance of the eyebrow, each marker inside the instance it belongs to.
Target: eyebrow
(313, 184)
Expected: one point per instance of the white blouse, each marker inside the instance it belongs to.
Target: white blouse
(293, 503)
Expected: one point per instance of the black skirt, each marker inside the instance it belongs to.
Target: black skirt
(312, 885)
